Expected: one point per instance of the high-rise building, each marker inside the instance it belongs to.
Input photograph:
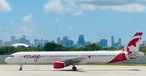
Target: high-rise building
(103, 43)
(115, 44)
(65, 38)
(23, 39)
(112, 41)
(1, 42)
(53, 41)
(81, 40)
(13, 40)
(45, 41)
(144, 43)
(64, 42)
(58, 40)
(36, 42)
(87, 43)
(7, 43)
(39, 43)
(70, 43)
(27, 42)
(120, 42)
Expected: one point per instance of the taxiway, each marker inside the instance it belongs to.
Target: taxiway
(83, 70)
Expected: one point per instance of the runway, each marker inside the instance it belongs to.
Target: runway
(83, 70)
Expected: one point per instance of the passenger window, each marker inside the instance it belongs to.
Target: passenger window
(12, 56)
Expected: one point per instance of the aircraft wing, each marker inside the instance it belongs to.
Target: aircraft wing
(74, 61)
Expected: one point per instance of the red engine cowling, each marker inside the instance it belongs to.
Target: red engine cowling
(58, 64)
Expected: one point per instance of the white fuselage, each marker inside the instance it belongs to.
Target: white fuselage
(49, 57)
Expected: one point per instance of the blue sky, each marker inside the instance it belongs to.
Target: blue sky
(49, 19)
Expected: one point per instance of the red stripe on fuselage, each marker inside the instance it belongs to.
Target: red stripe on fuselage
(120, 57)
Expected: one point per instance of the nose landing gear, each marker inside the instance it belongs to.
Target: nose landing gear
(20, 69)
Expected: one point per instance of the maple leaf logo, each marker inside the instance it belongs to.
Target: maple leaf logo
(133, 42)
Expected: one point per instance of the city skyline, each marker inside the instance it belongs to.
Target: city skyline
(65, 41)
(95, 19)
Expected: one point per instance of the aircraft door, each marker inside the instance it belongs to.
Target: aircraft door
(20, 58)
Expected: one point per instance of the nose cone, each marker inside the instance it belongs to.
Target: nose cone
(7, 60)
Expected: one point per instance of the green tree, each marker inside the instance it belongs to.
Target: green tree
(143, 49)
(9, 50)
(50, 46)
(92, 47)
(2, 52)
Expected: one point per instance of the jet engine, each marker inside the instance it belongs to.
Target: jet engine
(58, 64)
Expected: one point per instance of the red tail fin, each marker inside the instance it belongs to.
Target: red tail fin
(134, 44)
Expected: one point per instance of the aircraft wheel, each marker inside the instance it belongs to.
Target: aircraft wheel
(74, 68)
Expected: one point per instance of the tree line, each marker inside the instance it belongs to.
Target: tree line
(56, 47)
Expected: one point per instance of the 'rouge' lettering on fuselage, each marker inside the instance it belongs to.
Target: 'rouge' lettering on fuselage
(35, 57)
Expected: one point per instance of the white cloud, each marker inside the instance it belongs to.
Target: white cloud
(129, 8)
(4, 6)
(27, 27)
(78, 7)
(88, 7)
(53, 6)
(117, 5)
(56, 6)
(124, 8)
(27, 18)
(110, 2)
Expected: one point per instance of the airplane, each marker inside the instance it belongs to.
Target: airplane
(73, 58)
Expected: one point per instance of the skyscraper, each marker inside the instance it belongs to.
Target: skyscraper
(58, 40)
(36, 42)
(45, 41)
(144, 43)
(64, 42)
(23, 39)
(120, 42)
(7, 43)
(70, 43)
(1, 42)
(13, 40)
(112, 41)
(103, 43)
(81, 40)
(115, 44)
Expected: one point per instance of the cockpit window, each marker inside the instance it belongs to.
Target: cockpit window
(12, 56)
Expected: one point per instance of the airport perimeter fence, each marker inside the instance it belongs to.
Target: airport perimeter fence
(2, 58)
(141, 60)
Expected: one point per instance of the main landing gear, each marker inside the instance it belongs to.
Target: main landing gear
(20, 69)
(74, 68)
